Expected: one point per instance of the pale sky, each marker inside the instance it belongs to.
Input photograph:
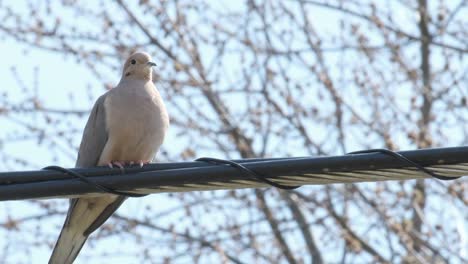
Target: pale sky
(58, 76)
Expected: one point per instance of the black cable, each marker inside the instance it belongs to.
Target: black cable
(406, 160)
(246, 171)
(90, 182)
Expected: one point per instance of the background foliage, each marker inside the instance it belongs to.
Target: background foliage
(262, 78)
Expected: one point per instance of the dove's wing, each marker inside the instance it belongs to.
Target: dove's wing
(86, 214)
(94, 136)
(126, 124)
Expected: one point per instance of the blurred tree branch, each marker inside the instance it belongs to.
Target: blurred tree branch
(263, 78)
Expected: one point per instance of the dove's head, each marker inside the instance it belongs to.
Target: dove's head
(138, 66)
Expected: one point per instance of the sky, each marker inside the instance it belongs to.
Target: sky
(59, 76)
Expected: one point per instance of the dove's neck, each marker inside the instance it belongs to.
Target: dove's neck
(144, 74)
(134, 83)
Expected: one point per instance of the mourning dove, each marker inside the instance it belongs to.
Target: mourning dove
(127, 125)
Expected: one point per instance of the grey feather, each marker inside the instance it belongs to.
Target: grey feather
(94, 139)
(127, 124)
(106, 213)
(94, 136)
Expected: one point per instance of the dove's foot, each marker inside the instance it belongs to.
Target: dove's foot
(117, 163)
(143, 162)
(120, 164)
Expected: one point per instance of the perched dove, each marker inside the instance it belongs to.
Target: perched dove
(126, 126)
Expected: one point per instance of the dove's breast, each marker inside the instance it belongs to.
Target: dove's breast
(136, 121)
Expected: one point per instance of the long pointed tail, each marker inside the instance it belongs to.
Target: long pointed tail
(84, 217)
(68, 245)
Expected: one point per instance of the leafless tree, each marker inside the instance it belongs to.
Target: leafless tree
(263, 78)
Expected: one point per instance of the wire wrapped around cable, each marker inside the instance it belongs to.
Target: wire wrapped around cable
(248, 173)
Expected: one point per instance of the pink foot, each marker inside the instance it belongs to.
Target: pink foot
(119, 164)
(142, 162)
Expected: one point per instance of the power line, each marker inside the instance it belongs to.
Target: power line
(369, 166)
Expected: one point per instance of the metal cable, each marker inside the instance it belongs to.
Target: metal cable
(250, 174)
(246, 171)
(95, 184)
(406, 160)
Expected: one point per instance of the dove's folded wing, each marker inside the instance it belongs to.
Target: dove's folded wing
(94, 136)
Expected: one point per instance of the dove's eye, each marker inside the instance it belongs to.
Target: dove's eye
(133, 61)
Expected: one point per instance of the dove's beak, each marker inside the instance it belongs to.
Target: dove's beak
(151, 64)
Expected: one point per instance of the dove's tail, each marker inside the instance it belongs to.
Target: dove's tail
(84, 217)
(68, 245)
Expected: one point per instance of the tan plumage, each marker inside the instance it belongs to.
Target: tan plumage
(126, 124)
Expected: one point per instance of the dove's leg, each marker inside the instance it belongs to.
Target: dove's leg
(120, 164)
(143, 162)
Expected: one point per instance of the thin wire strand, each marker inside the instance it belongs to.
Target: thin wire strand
(250, 174)
(95, 184)
(246, 171)
(406, 160)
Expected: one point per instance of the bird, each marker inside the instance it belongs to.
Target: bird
(126, 126)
